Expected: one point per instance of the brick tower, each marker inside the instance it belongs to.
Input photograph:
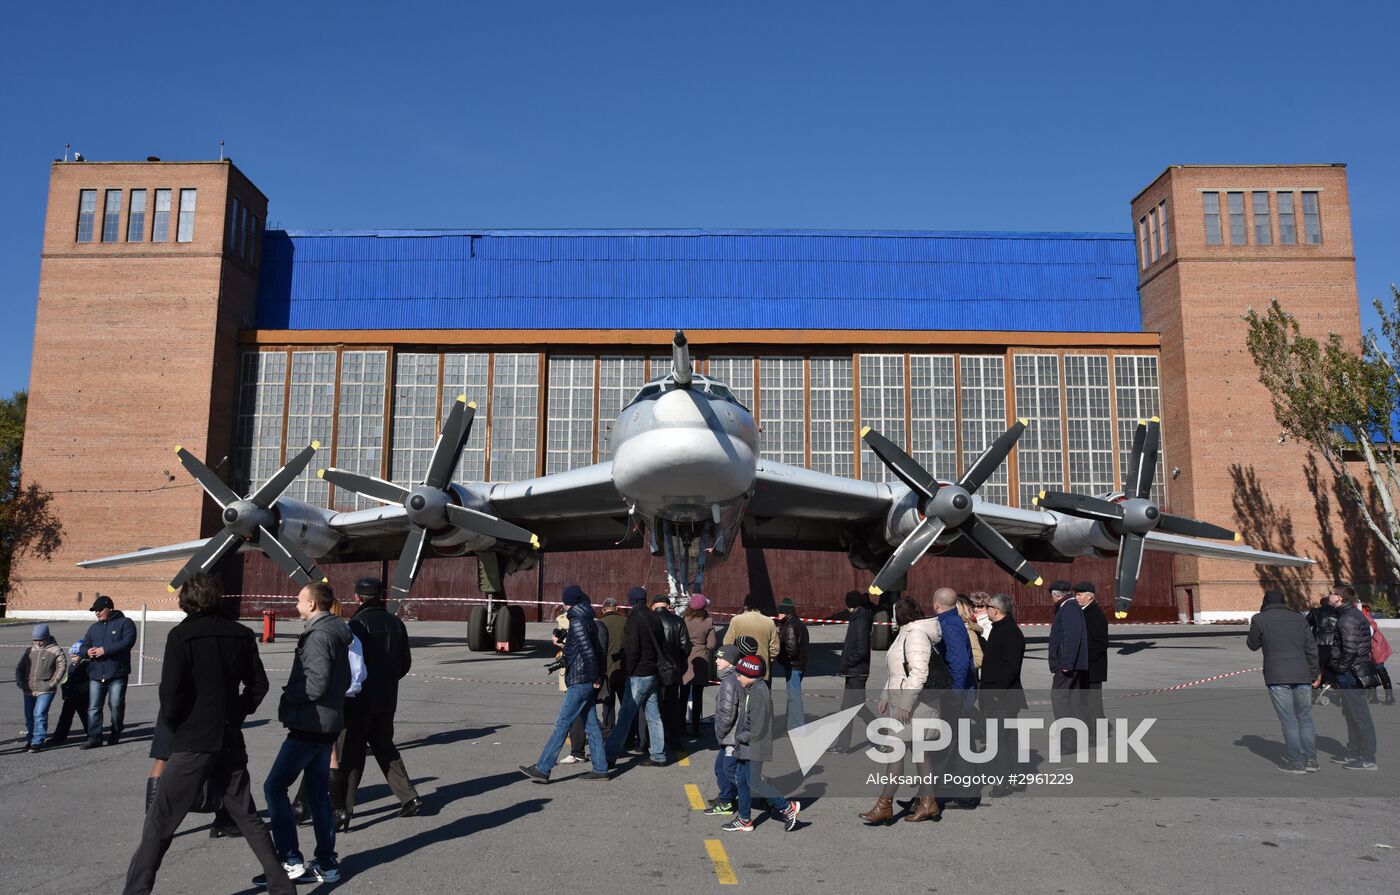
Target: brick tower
(1212, 242)
(149, 271)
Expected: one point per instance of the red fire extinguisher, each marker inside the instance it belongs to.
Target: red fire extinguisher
(269, 633)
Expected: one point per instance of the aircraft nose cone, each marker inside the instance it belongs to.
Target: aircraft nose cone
(679, 407)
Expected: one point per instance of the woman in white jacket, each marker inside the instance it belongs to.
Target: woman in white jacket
(907, 664)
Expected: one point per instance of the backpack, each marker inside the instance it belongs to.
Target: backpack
(667, 671)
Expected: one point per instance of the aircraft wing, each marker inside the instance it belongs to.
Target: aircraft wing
(575, 510)
(146, 555)
(1169, 543)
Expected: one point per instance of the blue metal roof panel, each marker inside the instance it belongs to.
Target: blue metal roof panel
(780, 279)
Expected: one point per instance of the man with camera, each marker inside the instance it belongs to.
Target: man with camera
(584, 665)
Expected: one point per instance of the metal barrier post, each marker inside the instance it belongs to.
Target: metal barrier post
(141, 651)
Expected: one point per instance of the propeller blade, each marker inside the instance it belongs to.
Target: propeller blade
(455, 430)
(1194, 528)
(277, 552)
(999, 550)
(492, 527)
(900, 463)
(908, 553)
(1129, 564)
(274, 486)
(1147, 460)
(208, 555)
(992, 457)
(409, 560)
(1135, 460)
(1081, 505)
(366, 486)
(303, 560)
(223, 495)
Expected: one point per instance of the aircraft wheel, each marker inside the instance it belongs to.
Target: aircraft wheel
(881, 633)
(478, 639)
(517, 630)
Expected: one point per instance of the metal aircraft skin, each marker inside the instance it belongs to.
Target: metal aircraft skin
(687, 482)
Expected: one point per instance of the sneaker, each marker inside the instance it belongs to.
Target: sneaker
(293, 869)
(571, 759)
(1344, 759)
(327, 871)
(1310, 766)
(534, 773)
(790, 823)
(1290, 769)
(1360, 764)
(738, 825)
(720, 809)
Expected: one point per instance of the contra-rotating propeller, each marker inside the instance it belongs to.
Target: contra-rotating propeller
(1135, 515)
(947, 506)
(430, 505)
(250, 519)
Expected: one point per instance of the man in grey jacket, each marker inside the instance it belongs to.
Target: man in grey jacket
(313, 711)
(1290, 673)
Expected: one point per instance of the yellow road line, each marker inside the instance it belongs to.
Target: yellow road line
(724, 870)
(684, 760)
(697, 801)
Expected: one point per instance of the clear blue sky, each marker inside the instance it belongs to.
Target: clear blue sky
(1007, 116)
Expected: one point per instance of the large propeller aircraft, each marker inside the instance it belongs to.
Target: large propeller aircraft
(686, 480)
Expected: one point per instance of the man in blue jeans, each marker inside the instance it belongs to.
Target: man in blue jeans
(109, 641)
(1354, 673)
(792, 656)
(584, 669)
(313, 711)
(1290, 672)
(641, 637)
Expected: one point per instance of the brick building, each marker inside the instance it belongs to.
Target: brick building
(169, 315)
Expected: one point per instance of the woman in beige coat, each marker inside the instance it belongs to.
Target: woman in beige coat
(907, 665)
(967, 611)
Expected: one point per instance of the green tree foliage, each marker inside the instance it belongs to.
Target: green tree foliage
(27, 522)
(1331, 396)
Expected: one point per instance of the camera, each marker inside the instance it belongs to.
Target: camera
(557, 665)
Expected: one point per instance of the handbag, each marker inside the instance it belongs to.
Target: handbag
(1367, 677)
(667, 671)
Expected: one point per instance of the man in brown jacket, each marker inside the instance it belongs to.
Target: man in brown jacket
(760, 627)
(38, 674)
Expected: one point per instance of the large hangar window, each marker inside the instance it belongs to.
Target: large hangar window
(415, 417)
(569, 430)
(359, 439)
(984, 417)
(881, 408)
(1135, 388)
(1088, 424)
(468, 374)
(1040, 459)
(933, 419)
(833, 416)
(262, 382)
(619, 378)
(310, 413)
(781, 410)
(515, 405)
(735, 372)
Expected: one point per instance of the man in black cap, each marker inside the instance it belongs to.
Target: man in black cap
(1068, 652)
(1096, 629)
(641, 648)
(793, 640)
(855, 660)
(109, 641)
(369, 716)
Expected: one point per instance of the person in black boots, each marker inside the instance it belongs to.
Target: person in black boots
(369, 716)
(855, 660)
(75, 695)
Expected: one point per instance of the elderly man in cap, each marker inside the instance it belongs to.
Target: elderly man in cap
(641, 647)
(1291, 671)
(792, 658)
(1068, 651)
(109, 641)
(584, 667)
(1096, 633)
(615, 682)
(369, 716)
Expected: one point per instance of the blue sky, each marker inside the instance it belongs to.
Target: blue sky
(1008, 116)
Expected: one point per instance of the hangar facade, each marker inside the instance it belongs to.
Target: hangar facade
(168, 313)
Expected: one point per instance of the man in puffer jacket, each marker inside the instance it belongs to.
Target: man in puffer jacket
(585, 664)
(1355, 673)
(726, 712)
(38, 674)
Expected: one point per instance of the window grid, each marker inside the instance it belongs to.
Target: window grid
(360, 420)
(1144, 242)
(1263, 222)
(781, 412)
(1135, 386)
(984, 417)
(112, 216)
(933, 414)
(735, 372)
(1040, 452)
(415, 429)
(1162, 218)
(310, 413)
(881, 408)
(514, 414)
(619, 380)
(160, 231)
(1211, 203)
(1287, 227)
(1312, 220)
(136, 217)
(232, 238)
(185, 231)
(243, 232)
(1235, 204)
(466, 374)
(833, 416)
(257, 455)
(1156, 236)
(1088, 424)
(569, 429)
(87, 214)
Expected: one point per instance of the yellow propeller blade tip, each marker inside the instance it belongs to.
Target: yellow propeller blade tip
(1023, 421)
(1120, 615)
(1238, 537)
(461, 399)
(875, 590)
(535, 541)
(1035, 501)
(325, 581)
(1156, 419)
(170, 588)
(865, 430)
(315, 445)
(1037, 582)
(471, 404)
(1042, 494)
(178, 448)
(320, 473)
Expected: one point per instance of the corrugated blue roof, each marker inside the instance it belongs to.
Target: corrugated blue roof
(698, 279)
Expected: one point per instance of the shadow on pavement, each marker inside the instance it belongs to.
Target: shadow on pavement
(362, 862)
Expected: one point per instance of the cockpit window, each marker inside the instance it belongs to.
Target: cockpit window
(651, 391)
